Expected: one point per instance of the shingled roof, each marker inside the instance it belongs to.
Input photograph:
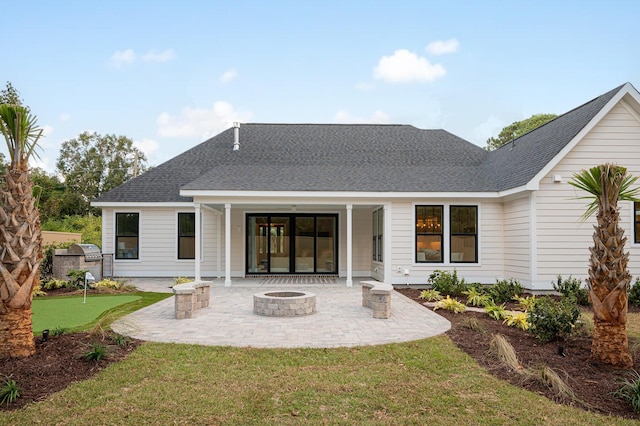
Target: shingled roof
(358, 158)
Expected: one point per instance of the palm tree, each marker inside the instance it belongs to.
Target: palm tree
(609, 278)
(20, 233)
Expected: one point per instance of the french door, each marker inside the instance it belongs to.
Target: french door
(292, 244)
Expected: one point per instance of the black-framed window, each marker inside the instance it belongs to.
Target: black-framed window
(429, 241)
(463, 234)
(127, 235)
(636, 223)
(186, 235)
(377, 231)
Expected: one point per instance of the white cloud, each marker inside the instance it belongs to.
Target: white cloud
(228, 76)
(490, 127)
(64, 117)
(345, 117)
(148, 146)
(121, 58)
(441, 47)
(406, 67)
(200, 122)
(155, 55)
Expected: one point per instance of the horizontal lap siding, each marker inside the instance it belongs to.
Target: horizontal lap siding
(157, 244)
(517, 252)
(490, 243)
(563, 238)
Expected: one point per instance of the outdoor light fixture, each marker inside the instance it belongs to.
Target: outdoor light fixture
(45, 335)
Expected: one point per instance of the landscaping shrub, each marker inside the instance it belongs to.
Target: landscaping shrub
(496, 312)
(96, 352)
(504, 291)
(630, 390)
(107, 283)
(77, 277)
(450, 305)
(181, 280)
(572, 288)
(447, 283)
(54, 284)
(517, 319)
(477, 296)
(525, 303)
(430, 295)
(634, 293)
(37, 291)
(550, 319)
(9, 391)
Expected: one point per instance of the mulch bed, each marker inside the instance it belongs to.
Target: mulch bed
(590, 381)
(57, 363)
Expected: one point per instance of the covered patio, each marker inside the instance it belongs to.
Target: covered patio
(340, 319)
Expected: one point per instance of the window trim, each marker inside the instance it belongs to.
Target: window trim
(115, 236)
(443, 227)
(635, 222)
(377, 230)
(452, 234)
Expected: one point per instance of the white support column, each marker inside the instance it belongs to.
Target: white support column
(387, 238)
(197, 276)
(219, 244)
(227, 245)
(349, 245)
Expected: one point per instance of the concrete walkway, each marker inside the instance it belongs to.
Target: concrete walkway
(340, 320)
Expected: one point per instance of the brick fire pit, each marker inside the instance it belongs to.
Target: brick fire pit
(284, 303)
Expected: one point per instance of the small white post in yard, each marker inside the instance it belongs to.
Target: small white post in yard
(87, 277)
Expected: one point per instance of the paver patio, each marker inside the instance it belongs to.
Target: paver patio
(340, 320)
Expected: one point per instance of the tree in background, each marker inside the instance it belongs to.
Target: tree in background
(92, 164)
(517, 129)
(20, 233)
(9, 95)
(609, 278)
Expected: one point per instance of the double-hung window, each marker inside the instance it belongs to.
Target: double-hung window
(186, 235)
(429, 234)
(464, 234)
(127, 235)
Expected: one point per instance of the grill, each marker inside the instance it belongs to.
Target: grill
(91, 252)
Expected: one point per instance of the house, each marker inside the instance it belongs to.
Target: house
(392, 202)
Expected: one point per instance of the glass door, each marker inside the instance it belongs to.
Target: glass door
(280, 241)
(326, 245)
(290, 243)
(257, 244)
(304, 244)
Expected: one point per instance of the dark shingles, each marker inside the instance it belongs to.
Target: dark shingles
(362, 158)
(515, 164)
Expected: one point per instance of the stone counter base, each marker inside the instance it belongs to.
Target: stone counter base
(377, 297)
(190, 297)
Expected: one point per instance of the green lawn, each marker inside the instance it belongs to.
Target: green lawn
(424, 382)
(72, 314)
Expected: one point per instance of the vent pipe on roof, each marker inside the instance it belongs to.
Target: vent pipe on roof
(236, 136)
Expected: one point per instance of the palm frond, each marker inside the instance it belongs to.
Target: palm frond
(21, 133)
(593, 180)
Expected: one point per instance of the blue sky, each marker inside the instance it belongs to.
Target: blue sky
(170, 74)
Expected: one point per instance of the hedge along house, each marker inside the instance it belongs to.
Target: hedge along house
(391, 202)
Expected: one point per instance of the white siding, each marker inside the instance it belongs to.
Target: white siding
(158, 243)
(517, 239)
(563, 238)
(490, 242)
